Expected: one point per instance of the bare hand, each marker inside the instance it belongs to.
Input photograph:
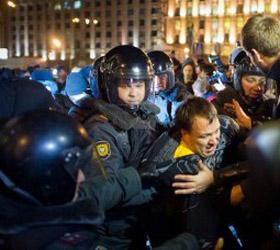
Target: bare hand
(242, 119)
(191, 184)
(229, 109)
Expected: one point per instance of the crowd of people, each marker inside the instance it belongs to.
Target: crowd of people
(129, 153)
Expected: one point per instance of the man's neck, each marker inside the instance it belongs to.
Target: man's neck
(270, 61)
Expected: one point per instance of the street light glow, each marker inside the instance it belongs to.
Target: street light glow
(76, 20)
(11, 4)
(95, 21)
(56, 42)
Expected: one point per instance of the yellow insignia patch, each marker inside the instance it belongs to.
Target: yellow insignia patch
(103, 149)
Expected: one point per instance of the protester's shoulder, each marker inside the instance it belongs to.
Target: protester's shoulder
(228, 125)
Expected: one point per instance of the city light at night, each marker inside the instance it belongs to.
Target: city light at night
(87, 29)
(11, 4)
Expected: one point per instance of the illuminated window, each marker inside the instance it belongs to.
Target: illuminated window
(240, 23)
(227, 8)
(215, 8)
(57, 6)
(177, 25)
(227, 24)
(267, 7)
(67, 5)
(202, 9)
(215, 24)
(77, 4)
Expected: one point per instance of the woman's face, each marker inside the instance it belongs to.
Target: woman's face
(188, 73)
(253, 85)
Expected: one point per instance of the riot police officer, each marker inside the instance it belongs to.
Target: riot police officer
(44, 203)
(123, 125)
(165, 94)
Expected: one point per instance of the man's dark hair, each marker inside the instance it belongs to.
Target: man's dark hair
(191, 108)
(208, 68)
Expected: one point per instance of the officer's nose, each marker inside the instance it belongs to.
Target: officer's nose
(132, 90)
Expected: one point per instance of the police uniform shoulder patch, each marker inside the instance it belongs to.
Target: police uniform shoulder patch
(103, 149)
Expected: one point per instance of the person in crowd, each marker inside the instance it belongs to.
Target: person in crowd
(6, 74)
(121, 110)
(45, 77)
(201, 87)
(188, 72)
(200, 144)
(61, 75)
(76, 89)
(229, 73)
(177, 65)
(246, 96)
(17, 97)
(260, 38)
(57, 175)
(165, 94)
(46, 202)
(123, 125)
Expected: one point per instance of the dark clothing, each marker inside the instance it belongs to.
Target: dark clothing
(184, 241)
(63, 102)
(274, 74)
(188, 87)
(21, 95)
(122, 137)
(82, 110)
(25, 225)
(192, 213)
(259, 110)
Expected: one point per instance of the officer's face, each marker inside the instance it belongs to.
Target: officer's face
(161, 82)
(204, 137)
(132, 93)
(253, 86)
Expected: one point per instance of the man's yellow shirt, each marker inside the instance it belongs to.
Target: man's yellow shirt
(182, 150)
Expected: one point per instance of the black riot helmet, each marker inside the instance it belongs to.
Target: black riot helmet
(163, 64)
(127, 63)
(237, 56)
(245, 67)
(39, 155)
(263, 151)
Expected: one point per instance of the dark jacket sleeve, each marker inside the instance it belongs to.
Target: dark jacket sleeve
(231, 174)
(113, 190)
(184, 241)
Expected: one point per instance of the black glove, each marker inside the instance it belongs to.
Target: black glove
(231, 174)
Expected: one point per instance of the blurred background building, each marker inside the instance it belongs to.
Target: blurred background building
(77, 31)
(210, 26)
(81, 30)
